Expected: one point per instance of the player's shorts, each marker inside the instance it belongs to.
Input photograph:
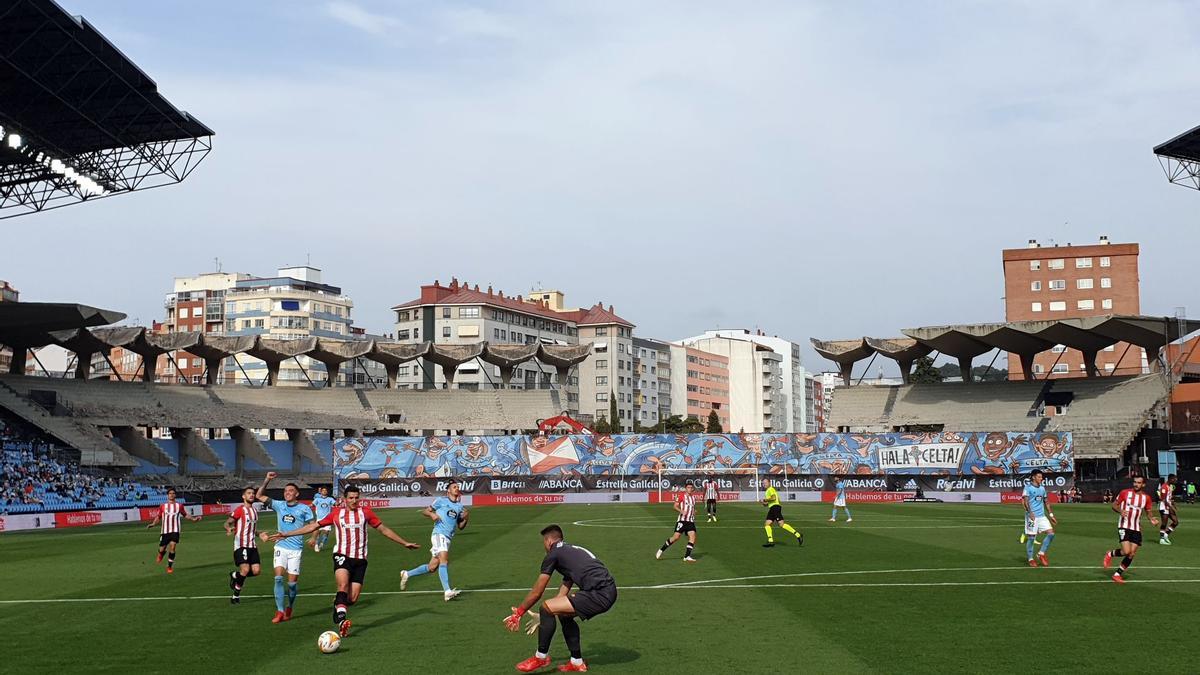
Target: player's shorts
(245, 556)
(288, 559)
(595, 602)
(356, 566)
(1131, 536)
(1036, 525)
(685, 526)
(439, 543)
(775, 513)
(839, 502)
(1163, 507)
(172, 536)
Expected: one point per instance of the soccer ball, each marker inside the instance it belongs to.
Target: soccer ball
(328, 642)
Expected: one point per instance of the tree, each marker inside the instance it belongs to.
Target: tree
(714, 423)
(601, 426)
(674, 425)
(613, 424)
(692, 425)
(924, 372)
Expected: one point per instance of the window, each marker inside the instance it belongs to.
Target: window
(1038, 369)
(1058, 284)
(1058, 306)
(602, 397)
(1085, 304)
(1110, 348)
(1083, 263)
(620, 347)
(1056, 264)
(1106, 303)
(1110, 367)
(1061, 368)
(601, 381)
(468, 313)
(601, 414)
(1084, 284)
(182, 362)
(601, 363)
(402, 370)
(1106, 262)
(601, 347)
(1105, 282)
(402, 334)
(402, 316)
(445, 312)
(1058, 349)
(468, 331)
(1035, 265)
(1036, 307)
(1035, 286)
(416, 333)
(601, 332)
(445, 331)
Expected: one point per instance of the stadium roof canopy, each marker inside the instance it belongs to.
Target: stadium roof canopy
(25, 325)
(80, 120)
(1180, 158)
(1023, 338)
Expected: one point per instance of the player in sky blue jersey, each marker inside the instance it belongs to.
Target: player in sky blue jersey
(839, 500)
(1038, 518)
(324, 504)
(292, 514)
(448, 516)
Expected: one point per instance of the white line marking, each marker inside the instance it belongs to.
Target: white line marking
(670, 524)
(711, 583)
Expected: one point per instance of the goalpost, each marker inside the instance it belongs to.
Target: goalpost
(731, 471)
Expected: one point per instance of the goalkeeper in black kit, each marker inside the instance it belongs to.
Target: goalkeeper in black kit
(597, 594)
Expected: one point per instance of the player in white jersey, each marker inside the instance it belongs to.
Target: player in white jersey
(712, 494)
(171, 514)
(685, 523)
(242, 525)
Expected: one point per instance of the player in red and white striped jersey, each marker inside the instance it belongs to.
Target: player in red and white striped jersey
(350, 522)
(1129, 505)
(1166, 506)
(242, 525)
(712, 494)
(685, 523)
(171, 514)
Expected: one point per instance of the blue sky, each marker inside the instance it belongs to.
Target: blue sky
(813, 169)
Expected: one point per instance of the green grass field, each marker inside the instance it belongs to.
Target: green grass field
(904, 588)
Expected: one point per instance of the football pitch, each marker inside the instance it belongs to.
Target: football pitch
(904, 588)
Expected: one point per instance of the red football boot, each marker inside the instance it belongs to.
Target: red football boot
(277, 618)
(1118, 578)
(287, 614)
(344, 627)
(170, 570)
(158, 558)
(1043, 559)
(533, 663)
(570, 667)
(1107, 559)
(1032, 562)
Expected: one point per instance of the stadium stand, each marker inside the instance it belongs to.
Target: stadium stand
(34, 478)
(1103, 414)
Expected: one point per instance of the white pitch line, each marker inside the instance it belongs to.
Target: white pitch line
(705, 584)
(669, 525)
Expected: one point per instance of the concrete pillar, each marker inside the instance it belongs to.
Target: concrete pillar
(212, 367)
(448, 373)
(964, 368)
(506, 376)
(1027, 366)
(149, 368)
(331, 373)
(184, 450)
(564, 376)
(1089, 363)
(393, 372)
(905, 370)
(83, 365)
(19, 357)
(845, 369)
(272, 373)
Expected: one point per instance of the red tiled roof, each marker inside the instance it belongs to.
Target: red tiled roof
(456, 294)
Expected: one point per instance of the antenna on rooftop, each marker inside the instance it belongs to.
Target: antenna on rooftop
(217, 262)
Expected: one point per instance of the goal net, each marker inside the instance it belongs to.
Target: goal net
(728, 479)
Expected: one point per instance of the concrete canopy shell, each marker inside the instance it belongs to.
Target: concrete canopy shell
(392, 354)
(508, 357)
(84, 343)
(118, 337)
(956, 341)
(564, 356)
(450, 357)
(901, 350)
(1151, 333)
(273, 352)
(333, 353)
(214, 348)
(845, 353)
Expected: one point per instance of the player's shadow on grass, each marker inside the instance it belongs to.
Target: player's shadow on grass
(359, 629)
(604, 654)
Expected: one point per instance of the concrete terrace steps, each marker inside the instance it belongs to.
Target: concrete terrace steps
(95, 448)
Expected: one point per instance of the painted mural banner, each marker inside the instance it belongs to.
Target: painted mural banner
(945, 453)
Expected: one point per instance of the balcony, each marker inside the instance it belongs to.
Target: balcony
(289, 293)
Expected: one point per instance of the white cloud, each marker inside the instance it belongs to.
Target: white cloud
(362, 19)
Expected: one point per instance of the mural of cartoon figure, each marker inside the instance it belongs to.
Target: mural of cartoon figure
(601, 457)
(656, 452)
(350, 452)
(431, 459)
(994, 457)
(1048, 452)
